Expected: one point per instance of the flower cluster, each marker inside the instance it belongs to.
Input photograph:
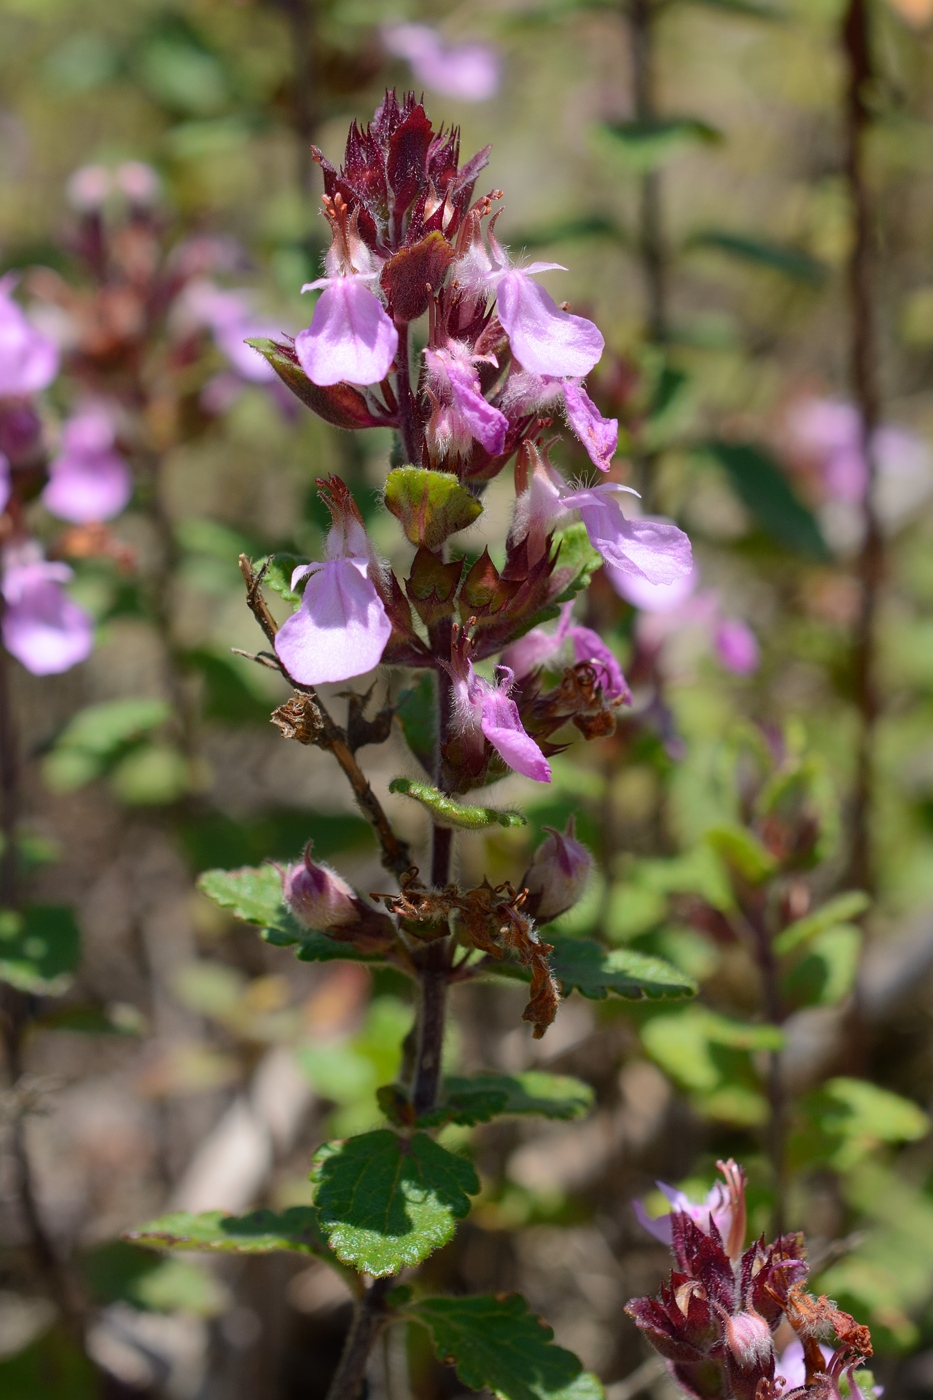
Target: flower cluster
(410, 242)
(727, 1314)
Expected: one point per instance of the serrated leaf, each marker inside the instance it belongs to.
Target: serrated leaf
(581, 964)
(385, 1203)
(431, 506)
(499, 1344)
(763, 488)
(486, 1096)
(741, 851)
(778, 257)
(835, 911)
(278, 574)
(40, 948)
(295, 1230)
(447, 812)
(254, 894)
(651, 142)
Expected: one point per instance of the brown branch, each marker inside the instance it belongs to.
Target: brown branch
(855, 40)
(321, 730)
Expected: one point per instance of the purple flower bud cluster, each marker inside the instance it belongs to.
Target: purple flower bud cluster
(716, 1320)
(411, 243)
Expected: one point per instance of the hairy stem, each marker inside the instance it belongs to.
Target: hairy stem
(855, 41)
(409, 427)
(368, 1321)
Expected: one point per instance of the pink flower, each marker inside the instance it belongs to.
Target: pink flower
(229, 316)
(462, 413)
(538, 647)
(351, 337)
(736, 646)
(88, 480)
(829, 432)
(668, 610)
(341, 627)
(138, 182)
(544, 339)
(88, 188)
(724, 1209)
(42, 627)
(471, 71)
(524, 393)
(28, 359)
(483, 710)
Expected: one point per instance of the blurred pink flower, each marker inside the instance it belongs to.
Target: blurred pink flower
(42, 627)
(88, 479)
(229, 316)
(471, 71)
(665, 611)
(829, 432)
(28, 359)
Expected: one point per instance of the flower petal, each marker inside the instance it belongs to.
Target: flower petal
(339, 631)
(486, 423)
(589, 646)
(502, 726)
(599, 435)
(654, 597)
(351, 338)
(736, 646)
(84, 488)
(650, 549)
(42, 627)
(545, 339)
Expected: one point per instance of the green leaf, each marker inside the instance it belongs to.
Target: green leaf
(651, 142)
(779, 257)
(50, 1368)
(431, 506)
(752, 9)
(294, 1230)
(447, 812)
(417, 715)
(680, 1042)
(827, 972)
(386, 1203)
(835, 911)
(486, 1096)
(121, 1272)
(278, 574)
(761, 485)
(97, 736)
(578, 556)
(254, 894)
(582, 964)
(854, 1108)
(40, 948)
(498, 1344)
(742, 852)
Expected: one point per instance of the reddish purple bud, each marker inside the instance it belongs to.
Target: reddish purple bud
(749, 1339)
(320, 899)
(557, 876)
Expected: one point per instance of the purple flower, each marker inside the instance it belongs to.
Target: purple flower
(524, 393)
(42, 627)
(538, 647)
(28, 359)
(483, 710)
(471, 71)
(651, 549)
(829, 433)
(88, 188)
(558, 874)
(231, 320)
(88, 480)
(351, 337)
(544, 339)
(341, 627)
(723, 1208)
(461, 413)
(138, 182)
(736, 646)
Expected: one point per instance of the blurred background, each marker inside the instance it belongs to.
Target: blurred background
(687, 161)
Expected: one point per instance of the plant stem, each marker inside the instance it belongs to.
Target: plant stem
(407, 416)
(368, 1320)
(855, 41)
(300, 17)
(16, 1013)
(757, 930)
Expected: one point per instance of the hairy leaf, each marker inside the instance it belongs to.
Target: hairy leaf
(278, 574)
(261, 1232)
(446, 812)
(40, 948)
(385, 1203)
(582, 964)
(486, 1096)
(499, 1344)
(431, 506)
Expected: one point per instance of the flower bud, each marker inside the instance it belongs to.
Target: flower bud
(749, 1339)
(557, 876)
(320, 899)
